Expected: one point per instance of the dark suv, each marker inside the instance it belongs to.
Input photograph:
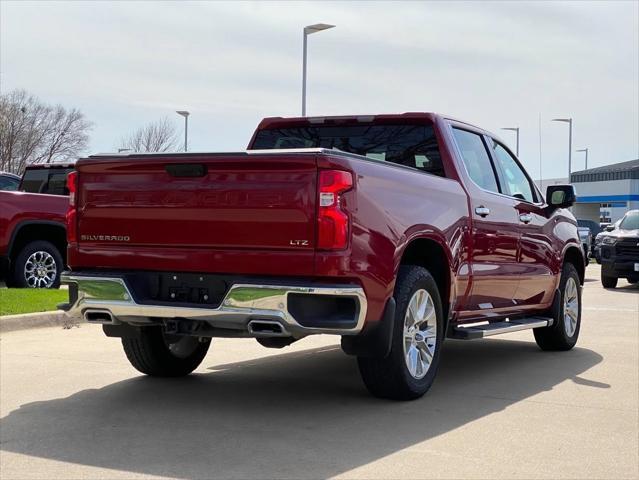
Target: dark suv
(620, 252)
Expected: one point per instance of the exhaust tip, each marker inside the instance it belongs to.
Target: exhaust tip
(267, 328)
(99, 316)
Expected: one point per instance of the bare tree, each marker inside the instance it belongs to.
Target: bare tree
(34, 132)
(65, 135)
(160, 136)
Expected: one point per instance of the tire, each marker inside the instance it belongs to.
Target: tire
(564, 332)
(38, 265)
(156, 354)
(390, 377)
(608, 282)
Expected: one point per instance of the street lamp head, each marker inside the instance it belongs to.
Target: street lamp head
(514, 129)
(567, 120)
(582, 150)
(184, 113)
(318, 27)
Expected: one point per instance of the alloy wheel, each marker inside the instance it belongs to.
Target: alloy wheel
(40, 270)
(571, 307)
(420, 334)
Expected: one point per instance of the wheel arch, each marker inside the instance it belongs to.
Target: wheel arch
(432, 254)
(28, 231)
(574, 255)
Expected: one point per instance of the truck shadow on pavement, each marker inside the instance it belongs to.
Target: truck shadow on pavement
(625, 287)
(293, 415)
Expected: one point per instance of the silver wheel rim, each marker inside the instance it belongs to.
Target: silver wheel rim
(40, 270)
(420, 334)
(571, 307)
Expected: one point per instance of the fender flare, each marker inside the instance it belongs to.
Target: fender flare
(581, 267)
(431, 234)
(28, 223)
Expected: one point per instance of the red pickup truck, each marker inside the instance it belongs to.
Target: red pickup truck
(33, 244)
(393, 231)
(32, 239)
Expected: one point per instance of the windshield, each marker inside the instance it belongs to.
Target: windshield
(411, 145)
(9, 183)
(630, 221)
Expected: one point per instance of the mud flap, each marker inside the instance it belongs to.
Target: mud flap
(375, 340)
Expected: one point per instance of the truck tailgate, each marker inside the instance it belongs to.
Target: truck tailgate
(215, 201)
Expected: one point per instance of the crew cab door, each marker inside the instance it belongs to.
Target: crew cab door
(495, 238)
(536, 252)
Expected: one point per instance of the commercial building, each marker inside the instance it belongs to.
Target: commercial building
(604, 194)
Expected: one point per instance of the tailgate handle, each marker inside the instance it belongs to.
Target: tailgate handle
(186, 170)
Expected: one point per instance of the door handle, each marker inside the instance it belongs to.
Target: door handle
(525, 217)
(482, 211)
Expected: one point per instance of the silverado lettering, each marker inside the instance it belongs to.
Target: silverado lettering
(105, 238)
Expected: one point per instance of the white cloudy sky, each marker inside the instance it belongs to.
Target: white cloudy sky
(495, 64)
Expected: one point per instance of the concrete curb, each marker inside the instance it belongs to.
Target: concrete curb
(26, 321)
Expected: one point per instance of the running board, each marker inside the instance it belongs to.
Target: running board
(482, 330)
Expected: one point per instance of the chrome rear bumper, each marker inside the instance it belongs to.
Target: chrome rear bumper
(101, 299)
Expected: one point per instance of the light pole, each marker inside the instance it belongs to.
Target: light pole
(185, 114)
(569, 122)
(514, 129)
(584, 150)
(318, 27)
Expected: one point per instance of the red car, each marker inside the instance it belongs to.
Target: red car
(393, 231)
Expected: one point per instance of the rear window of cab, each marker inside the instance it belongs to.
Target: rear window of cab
(404, 144)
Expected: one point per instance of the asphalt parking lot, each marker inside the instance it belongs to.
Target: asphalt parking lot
(72, 407)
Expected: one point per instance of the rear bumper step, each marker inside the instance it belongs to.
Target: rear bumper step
(248, 309)
(470, 332)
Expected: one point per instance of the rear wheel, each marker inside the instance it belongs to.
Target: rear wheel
(608, 282)
(38, 265)
(563, 333)
(158, 354)
(418, 331)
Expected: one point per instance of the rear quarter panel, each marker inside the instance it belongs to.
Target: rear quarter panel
(391, 206)
(19, 208)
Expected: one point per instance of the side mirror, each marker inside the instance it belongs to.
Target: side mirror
(560, 196)
(610, 228)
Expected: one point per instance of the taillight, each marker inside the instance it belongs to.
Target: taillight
(72, 226)
(332, 221)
